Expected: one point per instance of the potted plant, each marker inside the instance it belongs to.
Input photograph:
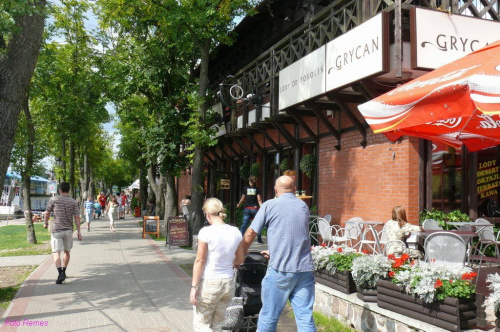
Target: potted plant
(442, 218)
(333, 265)
(441, 295)
(366, 271)
(308, 164)
(284, 165)
(244, 171)
(494, 297)
(135, 205)
(255, 169)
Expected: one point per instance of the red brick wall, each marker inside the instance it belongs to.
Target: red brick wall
(368, 182)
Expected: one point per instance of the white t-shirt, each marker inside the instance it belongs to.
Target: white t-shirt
(222, 241)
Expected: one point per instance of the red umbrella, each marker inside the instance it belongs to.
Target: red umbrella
(456, 104)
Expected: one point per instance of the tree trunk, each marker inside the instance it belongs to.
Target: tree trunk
(16, 69)
(171, 209)
(158, 190)
(72, 191)
(26, 175)
(63, 158)
(197, 184)
(143, 188)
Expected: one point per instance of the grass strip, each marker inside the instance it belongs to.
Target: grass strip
(8, 293)
(14, 242)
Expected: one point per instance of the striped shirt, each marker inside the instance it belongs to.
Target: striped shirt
(287, 222)
(89, 206)
(63, 208)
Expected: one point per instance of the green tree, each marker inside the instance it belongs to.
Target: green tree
(21, 30)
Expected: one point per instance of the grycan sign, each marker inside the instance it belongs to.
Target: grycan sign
(448, 38)
(360, 53)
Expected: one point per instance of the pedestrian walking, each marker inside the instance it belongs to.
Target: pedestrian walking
(253, 200)
(65, 210)
(213, 286)
(112, 212)
(124, 204)
(290, 271)
(89, 211)
(102, 199)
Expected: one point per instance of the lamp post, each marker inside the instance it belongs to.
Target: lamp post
(59, 162)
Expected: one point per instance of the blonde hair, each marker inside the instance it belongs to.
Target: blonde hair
(214, 207)
(399, 215)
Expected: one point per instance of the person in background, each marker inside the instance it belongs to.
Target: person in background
(290, 273)
(398, 228)
(151, 208)
(102, 199)
(89, 211)
(65, 210)
(112, 212)
(118, 198)
(213, 286)
(124, 204)
(253, 200)
(97, 210)
(185, 202)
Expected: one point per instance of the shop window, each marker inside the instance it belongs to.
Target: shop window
(488, 183)
(446, 177)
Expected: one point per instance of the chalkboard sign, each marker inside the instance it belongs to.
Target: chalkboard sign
(151, 225)
(178, 234)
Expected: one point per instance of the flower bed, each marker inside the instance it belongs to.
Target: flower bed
(450, 313)
(332, 265)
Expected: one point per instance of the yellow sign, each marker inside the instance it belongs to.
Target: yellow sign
(224, 183)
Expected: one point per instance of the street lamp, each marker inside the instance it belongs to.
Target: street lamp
(59, 162)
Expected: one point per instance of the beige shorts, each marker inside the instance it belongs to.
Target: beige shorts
(62, 241)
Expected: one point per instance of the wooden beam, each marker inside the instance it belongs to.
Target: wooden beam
(306, 128)
(364, 90)
(210, 160)
(242, 146)
(257, 145)
(229, 143)
(284, 132)
(219, 159)
(224, 153)
(300, 112)
(329, 126)
(266, 135)
(347, 111)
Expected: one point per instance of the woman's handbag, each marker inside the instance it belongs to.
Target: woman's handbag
(234, 316)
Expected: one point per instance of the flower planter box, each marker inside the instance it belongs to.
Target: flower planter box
(450, 314)
(340, 281)
(366, 294)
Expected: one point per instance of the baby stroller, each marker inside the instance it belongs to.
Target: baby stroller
(249, 285)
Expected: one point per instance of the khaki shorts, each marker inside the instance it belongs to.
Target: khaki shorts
(61, 241)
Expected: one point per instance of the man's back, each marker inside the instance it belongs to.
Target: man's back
(287, 221)
(63, 209)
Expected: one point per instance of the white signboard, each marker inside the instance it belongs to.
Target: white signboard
(448, 38)
(357, 54)
(219, 129)
(303, 79)
(52, 187)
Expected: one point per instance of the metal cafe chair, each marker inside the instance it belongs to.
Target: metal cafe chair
(350, 232)
(325, 230)
(445, 248)
(395, 244)
(314, 233)
(480, 256)
(486, 235)
(431, 225)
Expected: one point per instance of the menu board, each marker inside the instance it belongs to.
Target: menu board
(151, 225)
(178, 231)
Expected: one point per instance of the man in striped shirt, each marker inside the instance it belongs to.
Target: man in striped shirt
(64, 209)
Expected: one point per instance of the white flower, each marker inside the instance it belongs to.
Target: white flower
(367, 270)
(494, 280)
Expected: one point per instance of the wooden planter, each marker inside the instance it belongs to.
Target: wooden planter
(366, 294)
(340, 281)
(450, 314)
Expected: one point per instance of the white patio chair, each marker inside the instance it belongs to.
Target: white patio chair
(486, 233)
(350, 232)
(325, 230)
(328, 218)
(314, 231)
(431, 225)
(445, 248)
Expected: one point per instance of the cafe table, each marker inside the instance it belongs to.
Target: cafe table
(370, 228)
(479, 225)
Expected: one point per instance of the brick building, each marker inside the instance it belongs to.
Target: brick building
(290, 85)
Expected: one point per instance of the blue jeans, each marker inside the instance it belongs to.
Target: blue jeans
(247, 215)
(277, 287)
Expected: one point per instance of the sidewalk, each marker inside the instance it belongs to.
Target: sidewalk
(116, 282)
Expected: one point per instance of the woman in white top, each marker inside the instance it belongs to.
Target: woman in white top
(213, 285)
(399, 229)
